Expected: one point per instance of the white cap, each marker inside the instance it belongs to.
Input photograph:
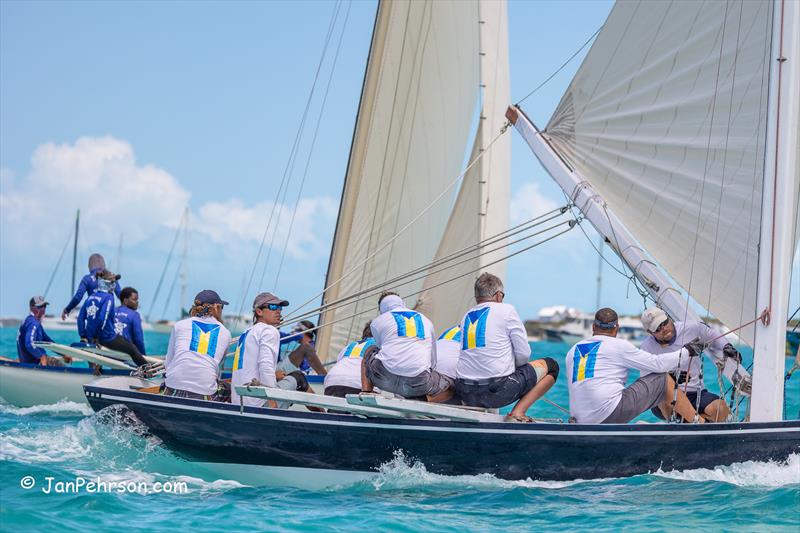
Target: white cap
(652, 318)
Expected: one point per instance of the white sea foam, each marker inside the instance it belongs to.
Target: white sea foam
(62, 407)
(403, 473)
(746, 474)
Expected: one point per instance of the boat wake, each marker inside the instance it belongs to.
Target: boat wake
(64, 407)
(110, 446)
(746, 474)
(403, 472)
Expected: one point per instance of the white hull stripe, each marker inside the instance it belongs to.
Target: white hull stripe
(459, 429)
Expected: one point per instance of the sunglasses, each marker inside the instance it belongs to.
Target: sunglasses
(660, 328)
(272, 307)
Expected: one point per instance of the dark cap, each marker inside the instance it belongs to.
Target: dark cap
(266, 298)
(38, 301)
(209, 297)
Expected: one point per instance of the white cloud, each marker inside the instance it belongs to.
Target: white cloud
(101, 177)
(116, 195)
(529, 202)
(232, 219)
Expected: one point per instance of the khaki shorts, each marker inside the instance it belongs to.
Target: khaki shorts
(642, 395)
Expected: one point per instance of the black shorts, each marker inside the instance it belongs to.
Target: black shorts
(499, 392)
(340, 391)
(706, 398)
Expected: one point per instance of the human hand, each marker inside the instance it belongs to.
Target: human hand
(64, 314)
(280, 374)
(695, 347)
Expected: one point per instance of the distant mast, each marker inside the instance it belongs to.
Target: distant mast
(75, 249)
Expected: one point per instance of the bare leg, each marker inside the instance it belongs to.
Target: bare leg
(441, 396)
(366, 384)
(682, 406)
(716, 411)
(535, 393)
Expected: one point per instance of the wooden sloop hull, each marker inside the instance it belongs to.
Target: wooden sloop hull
(210, 432)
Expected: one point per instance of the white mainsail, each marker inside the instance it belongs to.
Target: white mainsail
(666, 119)
(420, 93)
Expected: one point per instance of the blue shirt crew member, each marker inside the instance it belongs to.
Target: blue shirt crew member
(494, 368)
(88, 283)
(127, 321)
(96, 319)
(31, 331)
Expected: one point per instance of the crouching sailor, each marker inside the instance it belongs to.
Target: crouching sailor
(494, 368)
(404, 363)
(597, 369)
(88, 284)
(196, 350)
(345, 376)
(256, 355)
(96, 319)
(31, 331)
(667, 336)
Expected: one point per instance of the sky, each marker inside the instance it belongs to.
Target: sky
(134, 111)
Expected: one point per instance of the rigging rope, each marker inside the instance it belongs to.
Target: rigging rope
(289, 166)
(411, 222)
(58, 263)
(166, 265)
(529, 224)
(377, 289)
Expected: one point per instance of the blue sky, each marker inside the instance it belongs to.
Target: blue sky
(132, 110)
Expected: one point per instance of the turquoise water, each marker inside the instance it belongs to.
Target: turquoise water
(68, 440)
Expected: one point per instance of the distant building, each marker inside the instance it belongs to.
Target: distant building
(558, 313)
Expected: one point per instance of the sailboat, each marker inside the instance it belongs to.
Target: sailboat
(678, 135)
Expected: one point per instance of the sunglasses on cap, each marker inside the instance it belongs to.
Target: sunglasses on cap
(272, 307)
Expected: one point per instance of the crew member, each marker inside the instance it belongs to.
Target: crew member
(196, 350)
(127, 321)
(404, 363)
(494, 368)
(256, 355)
(96, 319)
(668, 336)
(88, 284)
(304, 357)
(597, 370)
(31, 331)
(345, 376)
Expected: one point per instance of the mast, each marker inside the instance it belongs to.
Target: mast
(599, 271)
(779, 205)
(75, 249)
(183, 262)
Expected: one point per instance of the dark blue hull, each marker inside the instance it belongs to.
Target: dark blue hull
(219, 433)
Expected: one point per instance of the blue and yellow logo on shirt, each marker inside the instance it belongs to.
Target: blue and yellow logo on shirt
(409, 324)
(204, 338)
(452, 334)
(355, 350)
(238, 355)
(474, 335)
(583, 360)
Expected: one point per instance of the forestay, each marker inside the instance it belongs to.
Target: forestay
(666, 119)
(419, 98)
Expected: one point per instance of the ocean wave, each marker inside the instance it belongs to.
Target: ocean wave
(746, 474)
(404, 473)
(62, 407)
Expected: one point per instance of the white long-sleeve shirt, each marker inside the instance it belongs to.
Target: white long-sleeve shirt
(597, 369)
(256, 356)
(196, 350)
(686, 332)
(347, 370)
(493, 342)
(406, 340)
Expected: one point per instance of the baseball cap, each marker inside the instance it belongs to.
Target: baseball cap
(208, 296)
(652, 318)
(38, 301)
(266, 298)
